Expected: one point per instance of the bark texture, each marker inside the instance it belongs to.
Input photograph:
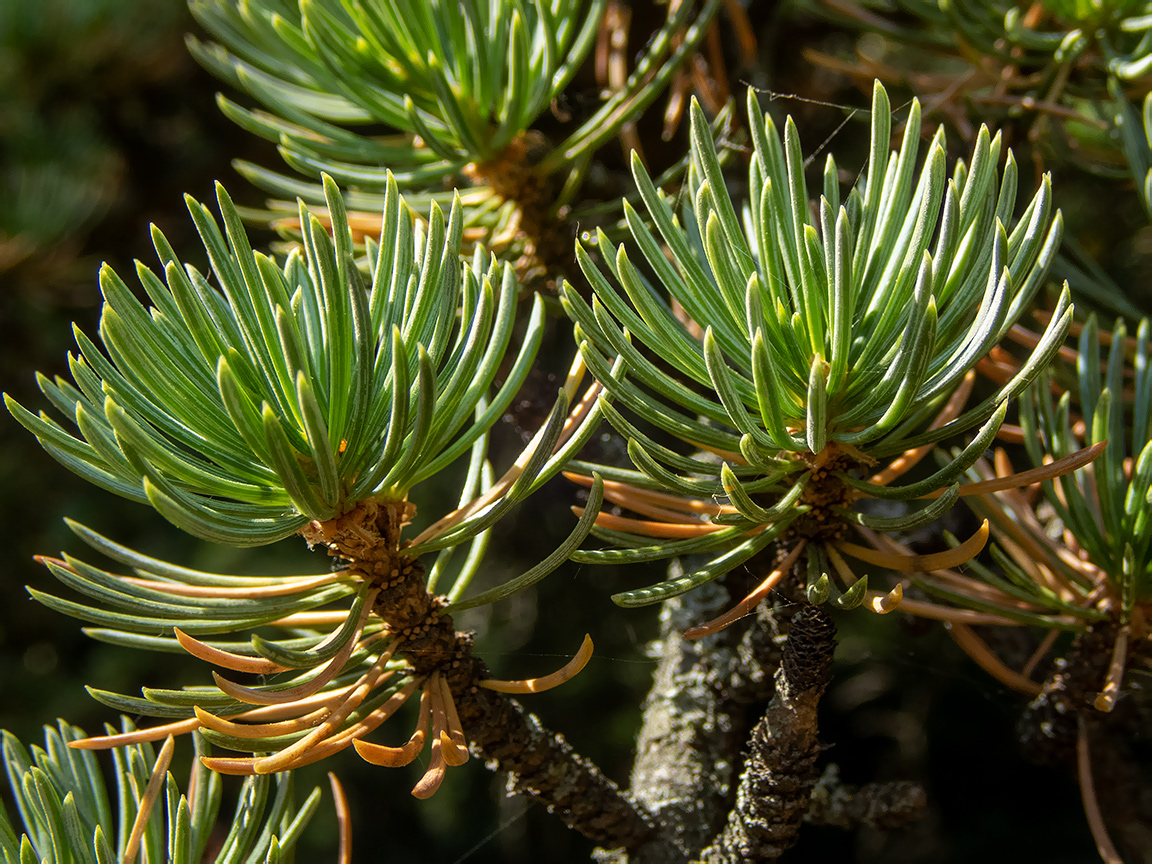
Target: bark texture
(878, 805)
(695, 722)
(1048, 728)
(683, 766)
(541, 764)
(776, 786)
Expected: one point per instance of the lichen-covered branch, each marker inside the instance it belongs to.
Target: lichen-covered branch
(540, 763)
(879, 805)
(776, 786)
(687, 743)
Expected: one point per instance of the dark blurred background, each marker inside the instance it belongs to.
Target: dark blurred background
(105, 122)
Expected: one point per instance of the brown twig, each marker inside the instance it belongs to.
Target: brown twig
(1104, 845)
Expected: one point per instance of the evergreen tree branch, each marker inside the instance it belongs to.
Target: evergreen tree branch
(690, 735)
(776, 786)
(541, 764)
(696, 718)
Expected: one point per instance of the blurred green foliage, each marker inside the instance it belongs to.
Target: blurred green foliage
(61, 63)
